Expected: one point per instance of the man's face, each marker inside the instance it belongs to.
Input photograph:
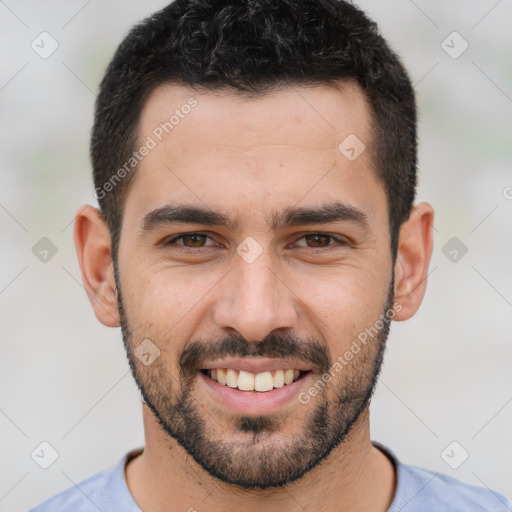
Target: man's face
(261, 296)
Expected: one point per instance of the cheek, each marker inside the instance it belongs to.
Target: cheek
(163, 307)
(161, 296)
(347, 300)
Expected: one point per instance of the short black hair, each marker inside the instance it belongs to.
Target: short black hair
(253, 47)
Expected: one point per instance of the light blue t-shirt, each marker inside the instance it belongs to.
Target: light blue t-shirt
(417, 490)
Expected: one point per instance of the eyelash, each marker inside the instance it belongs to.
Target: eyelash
(339, 242)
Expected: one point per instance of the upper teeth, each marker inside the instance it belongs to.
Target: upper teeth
(247, 381)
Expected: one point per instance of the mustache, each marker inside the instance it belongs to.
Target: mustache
(199, 351)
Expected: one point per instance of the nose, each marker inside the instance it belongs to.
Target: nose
(254, 300)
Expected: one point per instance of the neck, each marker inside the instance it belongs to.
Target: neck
(356, 476)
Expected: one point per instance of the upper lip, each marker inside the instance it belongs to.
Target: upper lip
(257, 364)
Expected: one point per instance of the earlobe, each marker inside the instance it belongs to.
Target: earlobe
(92, 243)
(413, 258)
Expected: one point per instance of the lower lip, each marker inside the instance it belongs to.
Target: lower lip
(254, 402)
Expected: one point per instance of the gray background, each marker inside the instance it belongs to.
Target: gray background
(64, 376)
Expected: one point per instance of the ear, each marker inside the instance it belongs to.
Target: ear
(92, 243)
(413, 258)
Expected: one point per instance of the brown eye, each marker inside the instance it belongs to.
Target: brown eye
(318, 240)
(194, 239)
(321, 240)
(190, 241)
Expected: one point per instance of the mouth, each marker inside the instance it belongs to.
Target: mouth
(254, 386)
(261, 382)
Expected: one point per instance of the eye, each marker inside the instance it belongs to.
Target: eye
(320, 241)
(190, 241)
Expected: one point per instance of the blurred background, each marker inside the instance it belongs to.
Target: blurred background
(444, 401)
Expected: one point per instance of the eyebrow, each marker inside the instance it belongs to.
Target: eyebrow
(289, 217)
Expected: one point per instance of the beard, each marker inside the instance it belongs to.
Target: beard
(258, 454)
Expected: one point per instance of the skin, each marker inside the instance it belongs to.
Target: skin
(250, 156)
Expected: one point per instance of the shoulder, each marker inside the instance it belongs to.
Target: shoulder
(99, 492)
(429, 488)
(83, 497)
(421, 490)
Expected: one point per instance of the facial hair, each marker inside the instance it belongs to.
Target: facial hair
(264, 458)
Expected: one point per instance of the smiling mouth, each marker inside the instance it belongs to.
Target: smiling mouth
(248, 381)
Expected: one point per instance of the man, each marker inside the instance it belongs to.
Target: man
(255, 166)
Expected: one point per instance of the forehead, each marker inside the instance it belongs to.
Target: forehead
(315, 118)
(248, 154)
